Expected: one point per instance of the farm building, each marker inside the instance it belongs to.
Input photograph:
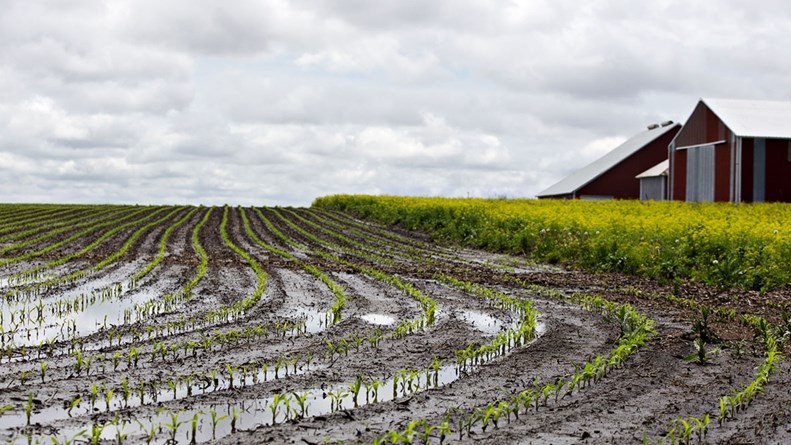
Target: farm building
(733, 150)
(653, 182)
(613, 176)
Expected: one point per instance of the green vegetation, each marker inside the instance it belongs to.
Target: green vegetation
(723, 245)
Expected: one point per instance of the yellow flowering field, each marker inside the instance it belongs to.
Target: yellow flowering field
(727, 245)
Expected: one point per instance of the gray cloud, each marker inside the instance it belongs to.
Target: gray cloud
(271, 102)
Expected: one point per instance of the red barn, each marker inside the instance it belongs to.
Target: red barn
(614, 175)
(733, 150)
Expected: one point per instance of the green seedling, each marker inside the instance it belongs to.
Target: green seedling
(337, 397)
(94, 394)
(29, 407)
(174, 424)
(23, 376)
(79, 362)
(301, 398)
(684, 430)
(43, 368)
(444, 430)
(274, 407)
(234, 418)
(73, 404)
(702, 426)
(354, 387)
(215, 419)
(117, 360)
(151, 432)
(174, 386)
(194, 426)
(701, 355)
(108, 397)
(96, 433)
(126, 391)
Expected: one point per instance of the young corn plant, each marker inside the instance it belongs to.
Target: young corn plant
(194, 427)
(337, 397)
(73, 404)
(174, 425)
(301, 398)
(215, 419)
(43, 370)
(354, 387)
(29, 407)
(274, 407)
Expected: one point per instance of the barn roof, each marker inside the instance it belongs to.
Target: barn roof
(660, 169)
(753, 118)
(586, 174)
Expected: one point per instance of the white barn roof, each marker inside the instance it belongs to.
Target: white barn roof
(660, 169)
(586, 174)
(753, 118)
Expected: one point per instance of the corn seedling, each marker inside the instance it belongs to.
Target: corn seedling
(194, 426)
(174, 424)
(301, 399)
(274, 406)
(108, 398)
(336, 397)
(96, 433)
(354, 387)
(43, 369)
(94, 394)
(215, 419)
(234, 418)
(73, 404)
(29, 407)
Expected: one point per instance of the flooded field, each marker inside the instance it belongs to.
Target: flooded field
(244, 325)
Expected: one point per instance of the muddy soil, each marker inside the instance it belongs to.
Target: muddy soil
(201, 355)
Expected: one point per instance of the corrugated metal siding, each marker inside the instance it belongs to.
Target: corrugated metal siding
(747, 170)
(700, 174)
(653, 188)
(722, 171)
(759, 170)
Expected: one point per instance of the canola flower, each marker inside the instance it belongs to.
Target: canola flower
(721, 244)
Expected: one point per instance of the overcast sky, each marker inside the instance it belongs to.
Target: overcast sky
(273, 102)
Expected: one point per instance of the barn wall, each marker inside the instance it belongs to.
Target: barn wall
(679, 167)
(778, 170)
(747, 169)
(702, 127)
(722, 172)
(620, 182)
(694, 130)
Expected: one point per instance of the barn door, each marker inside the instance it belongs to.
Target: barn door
(700, 173)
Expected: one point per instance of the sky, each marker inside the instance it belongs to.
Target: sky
(273, 102)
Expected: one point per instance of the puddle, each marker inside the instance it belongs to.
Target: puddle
(82, 315)
(484, 322)
(379, 319)
(314, 320)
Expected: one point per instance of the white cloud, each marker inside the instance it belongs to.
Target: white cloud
(277, 102)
